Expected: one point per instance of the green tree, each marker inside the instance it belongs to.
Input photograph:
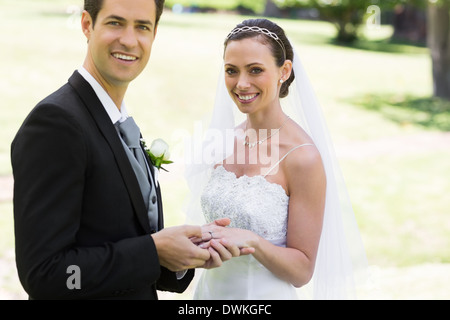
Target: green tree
(253, 5)
(346, 15)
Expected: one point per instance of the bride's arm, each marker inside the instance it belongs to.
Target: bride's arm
(306, 183)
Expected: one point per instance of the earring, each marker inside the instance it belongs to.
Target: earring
(281, 81)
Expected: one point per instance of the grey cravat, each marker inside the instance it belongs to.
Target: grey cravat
(130, 133)
(131, 136)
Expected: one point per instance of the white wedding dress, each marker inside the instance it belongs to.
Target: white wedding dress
(258, 205)
(255, 204)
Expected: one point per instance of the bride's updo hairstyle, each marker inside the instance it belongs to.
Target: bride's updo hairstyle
(271, 34)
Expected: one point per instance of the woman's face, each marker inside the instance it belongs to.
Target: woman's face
(251, 75)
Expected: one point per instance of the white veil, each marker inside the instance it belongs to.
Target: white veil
(341, 261)
(341, 257)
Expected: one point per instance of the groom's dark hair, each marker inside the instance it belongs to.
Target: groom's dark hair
(94, 7)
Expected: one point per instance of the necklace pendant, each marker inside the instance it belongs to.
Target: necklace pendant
(253, 144)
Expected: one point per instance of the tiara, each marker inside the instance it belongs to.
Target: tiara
(264, 31)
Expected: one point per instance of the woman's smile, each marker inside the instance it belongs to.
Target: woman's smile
(246, 98)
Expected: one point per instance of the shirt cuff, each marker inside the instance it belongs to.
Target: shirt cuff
(181, 274)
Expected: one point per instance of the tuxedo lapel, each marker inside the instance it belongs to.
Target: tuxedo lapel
(101, 118)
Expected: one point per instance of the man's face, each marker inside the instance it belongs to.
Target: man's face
(120, 42)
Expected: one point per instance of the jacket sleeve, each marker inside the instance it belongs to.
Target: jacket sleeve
(168, 281)
(49, 158)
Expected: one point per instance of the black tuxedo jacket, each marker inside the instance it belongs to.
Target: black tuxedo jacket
(77, 202)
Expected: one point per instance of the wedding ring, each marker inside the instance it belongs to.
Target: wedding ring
(210, 232)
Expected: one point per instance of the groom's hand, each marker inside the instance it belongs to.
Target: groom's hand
(176, 251)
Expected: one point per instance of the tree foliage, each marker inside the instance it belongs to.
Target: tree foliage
(256, 6)
(348, 15)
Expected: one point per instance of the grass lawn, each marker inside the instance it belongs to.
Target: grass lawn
(391, 138)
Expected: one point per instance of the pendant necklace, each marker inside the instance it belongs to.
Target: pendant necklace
(254, 144)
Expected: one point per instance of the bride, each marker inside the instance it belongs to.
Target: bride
(275, 179)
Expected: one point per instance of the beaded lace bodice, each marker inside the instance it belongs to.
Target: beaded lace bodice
(252, 203)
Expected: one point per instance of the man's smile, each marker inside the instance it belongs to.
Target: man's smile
(124, 57)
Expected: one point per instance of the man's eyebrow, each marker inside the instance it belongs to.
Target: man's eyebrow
(114, 17)
(144, 22)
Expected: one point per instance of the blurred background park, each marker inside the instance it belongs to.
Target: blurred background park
(371, 63)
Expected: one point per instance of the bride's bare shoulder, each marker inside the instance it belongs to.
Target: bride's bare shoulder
(294, 135)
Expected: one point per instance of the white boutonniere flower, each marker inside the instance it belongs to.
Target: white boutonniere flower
(158, 153)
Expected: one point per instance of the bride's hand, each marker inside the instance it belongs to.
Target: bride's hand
(218, 252)
(221, 251)
(231, 238)
(206, 235)
(243, 239)
(238, 245)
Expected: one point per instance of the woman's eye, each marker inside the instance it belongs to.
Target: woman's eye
(256, 71)
(230, 71)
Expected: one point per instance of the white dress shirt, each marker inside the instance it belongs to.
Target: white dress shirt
(114, 113)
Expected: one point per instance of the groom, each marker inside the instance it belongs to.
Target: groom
(87, 225)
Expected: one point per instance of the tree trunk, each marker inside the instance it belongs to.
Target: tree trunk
(439, 44)
(347, 32)
(271, 9)
(410, 24)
